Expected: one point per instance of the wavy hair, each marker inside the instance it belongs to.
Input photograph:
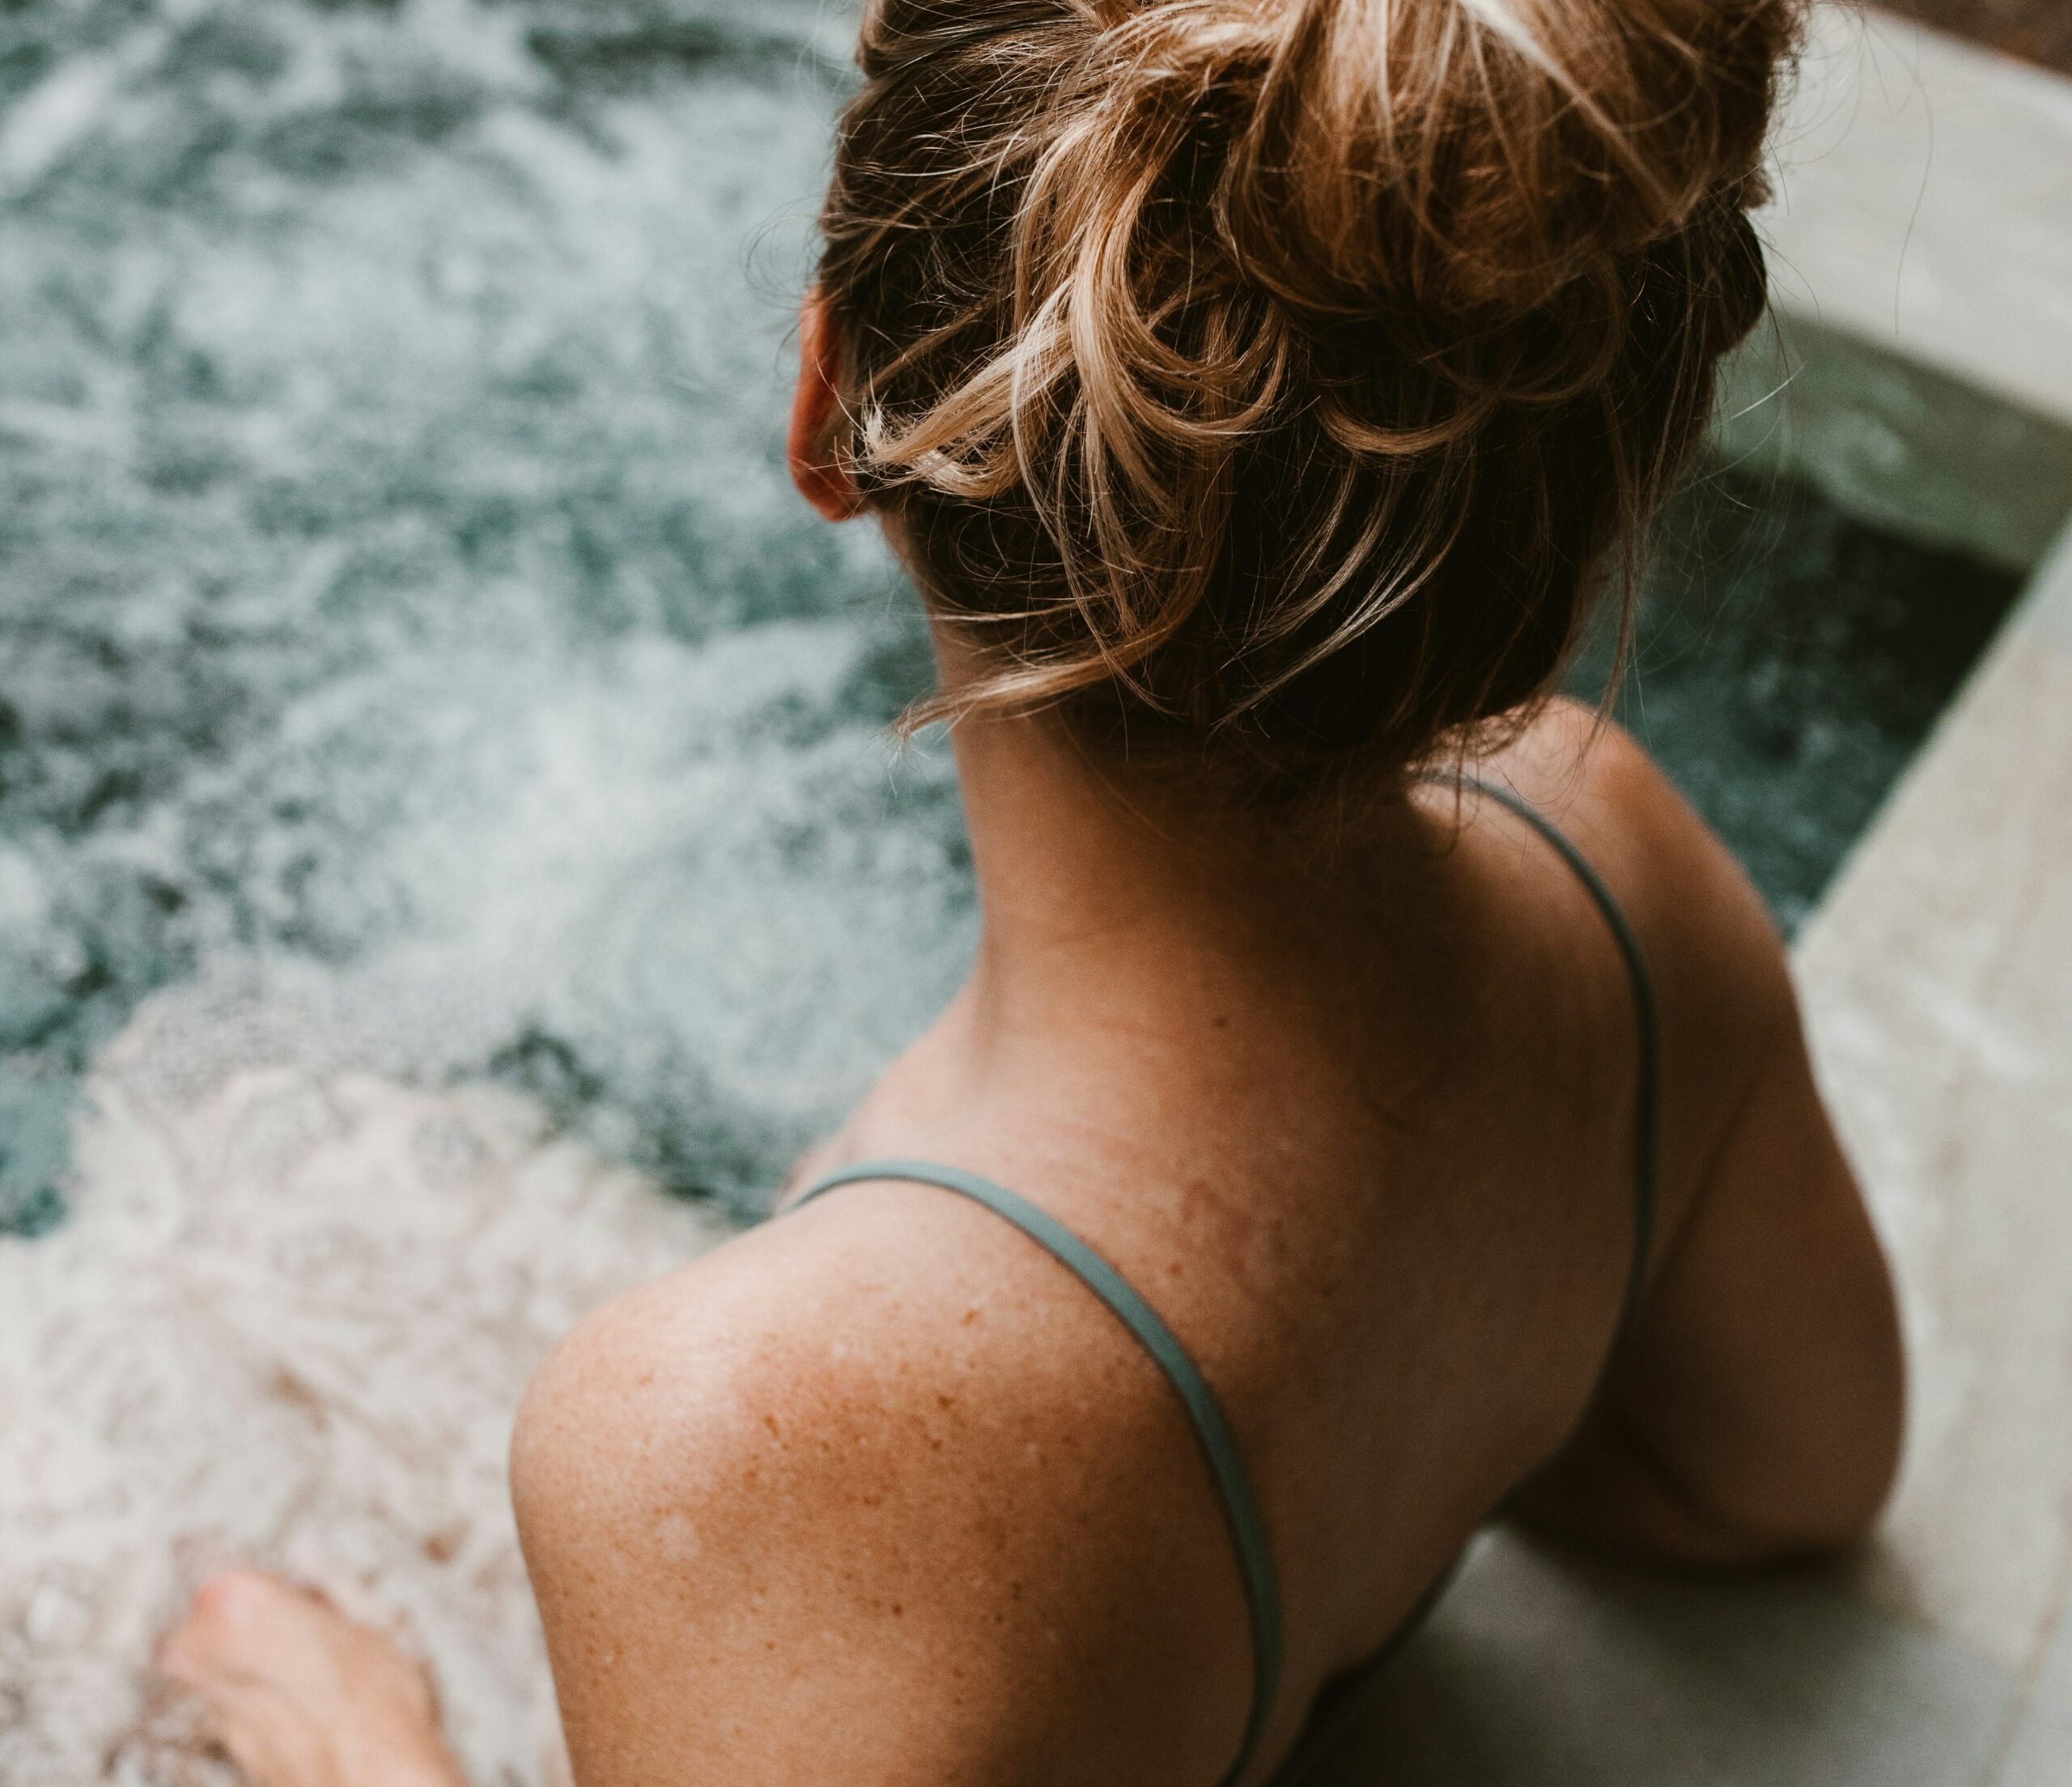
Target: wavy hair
(1275, 386)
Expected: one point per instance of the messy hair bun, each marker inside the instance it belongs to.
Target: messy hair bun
(1268, 382)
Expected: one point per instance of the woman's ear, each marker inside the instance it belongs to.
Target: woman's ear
(821, 480)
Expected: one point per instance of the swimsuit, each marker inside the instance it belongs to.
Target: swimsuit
(1341, 1699)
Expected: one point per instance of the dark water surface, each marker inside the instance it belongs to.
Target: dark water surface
(401, 600)
(1789, 662)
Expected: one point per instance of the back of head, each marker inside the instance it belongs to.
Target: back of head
(1267, 385)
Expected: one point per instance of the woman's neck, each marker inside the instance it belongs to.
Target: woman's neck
(1107, 893)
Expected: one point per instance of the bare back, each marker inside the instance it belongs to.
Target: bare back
(1375, 1169)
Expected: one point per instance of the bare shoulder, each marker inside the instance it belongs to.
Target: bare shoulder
(1722, 979)
(875, 1486)
(1677, 882)
(1756, 1410)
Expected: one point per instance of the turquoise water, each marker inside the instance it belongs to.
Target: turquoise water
(1788, 663)
(403, 603)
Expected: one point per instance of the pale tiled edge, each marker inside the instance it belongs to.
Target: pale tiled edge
(1926, 207)
(1938, 978)
(2039, 1750)
(1909, 449)
(1924, 202)
(1540, 1669)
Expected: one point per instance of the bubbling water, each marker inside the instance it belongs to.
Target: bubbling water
(403, 586)
(442, 771)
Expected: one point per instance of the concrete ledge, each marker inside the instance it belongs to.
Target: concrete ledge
(1543, 1670)
(1916, 452)
(1937, 978)
(1926, 205)
(1921, 249)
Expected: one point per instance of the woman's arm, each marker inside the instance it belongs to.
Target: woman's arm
(1756, 1412)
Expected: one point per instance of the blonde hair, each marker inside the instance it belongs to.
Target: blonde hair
(1269, 383)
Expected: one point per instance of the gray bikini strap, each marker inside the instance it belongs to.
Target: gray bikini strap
(1247, 1531)
(1343, 1702)
(1647, 1120)
(1211, 1429)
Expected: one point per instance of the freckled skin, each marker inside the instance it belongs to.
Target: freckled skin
(877, 1493)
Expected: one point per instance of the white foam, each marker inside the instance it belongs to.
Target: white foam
(289, 1322)
(422, 771)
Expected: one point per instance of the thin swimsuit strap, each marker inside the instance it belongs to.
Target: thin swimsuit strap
(1211, 1429)
(1205, 1413)
(1647, 1092)
(1343, 1700)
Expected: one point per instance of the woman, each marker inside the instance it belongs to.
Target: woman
(1401, 1093)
